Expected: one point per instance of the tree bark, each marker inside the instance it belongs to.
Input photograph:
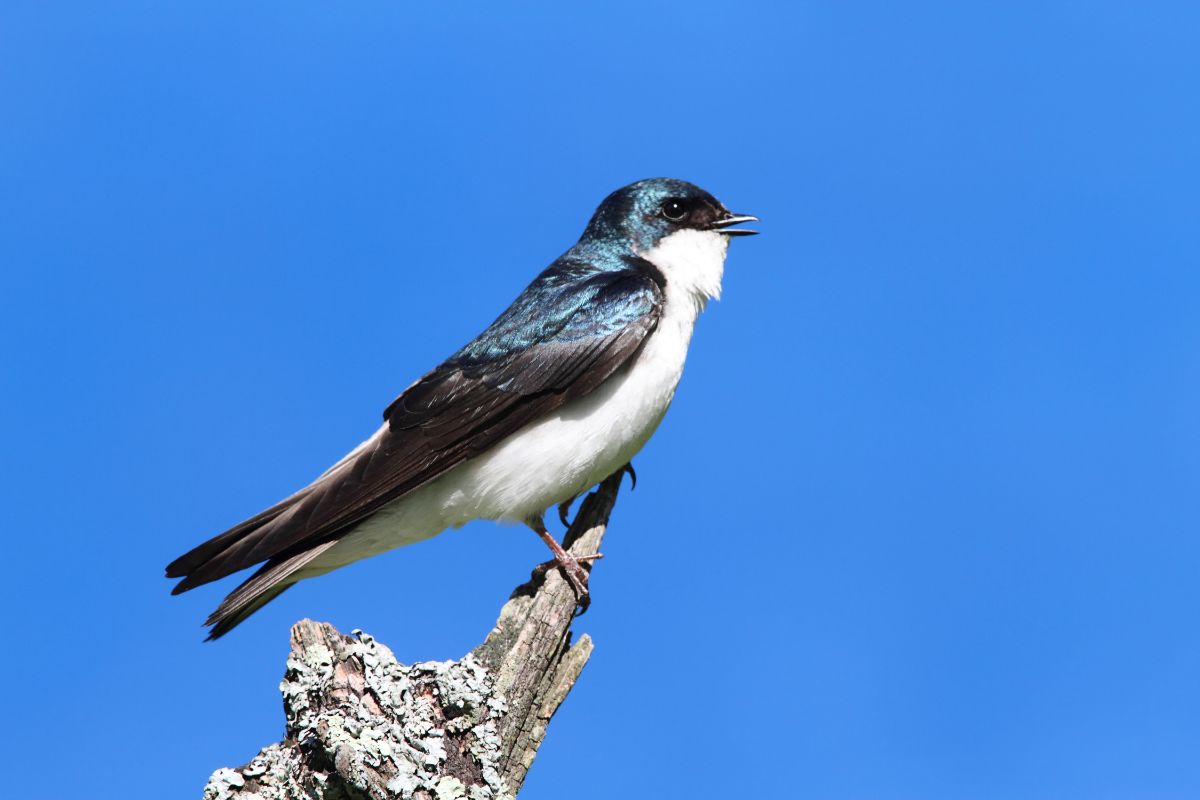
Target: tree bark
(362, 725)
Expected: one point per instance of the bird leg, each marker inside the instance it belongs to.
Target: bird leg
(564, 508)
(573, 571)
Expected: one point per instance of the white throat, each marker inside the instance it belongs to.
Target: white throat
(692, 262)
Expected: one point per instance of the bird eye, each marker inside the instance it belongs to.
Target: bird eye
(674, 210)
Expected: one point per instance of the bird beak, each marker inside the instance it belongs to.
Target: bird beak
(722, 225)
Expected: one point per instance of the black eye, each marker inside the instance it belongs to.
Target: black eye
(674, 210)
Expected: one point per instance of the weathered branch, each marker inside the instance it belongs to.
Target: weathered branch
(362, 725)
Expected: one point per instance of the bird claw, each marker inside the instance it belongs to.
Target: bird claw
(564, 508)
(582, 604)
(628, 468)
(575, 575)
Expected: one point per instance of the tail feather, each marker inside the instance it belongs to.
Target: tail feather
(224, 625)
(273, 578)
(290, 534)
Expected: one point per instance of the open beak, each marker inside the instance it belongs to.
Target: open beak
(722, 225)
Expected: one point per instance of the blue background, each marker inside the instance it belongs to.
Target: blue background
(921, 524)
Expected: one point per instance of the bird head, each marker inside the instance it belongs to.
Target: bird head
(647, 212)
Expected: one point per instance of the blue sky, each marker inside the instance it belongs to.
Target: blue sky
(922, 523)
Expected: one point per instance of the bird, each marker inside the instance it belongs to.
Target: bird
(558, 393)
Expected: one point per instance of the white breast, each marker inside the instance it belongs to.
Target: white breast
(581, 443)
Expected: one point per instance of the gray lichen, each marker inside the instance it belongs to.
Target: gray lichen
(393, 725)
(276, 772)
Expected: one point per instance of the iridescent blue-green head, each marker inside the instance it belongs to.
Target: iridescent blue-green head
(642, 214)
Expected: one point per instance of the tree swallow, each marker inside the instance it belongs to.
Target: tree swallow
(560, 392)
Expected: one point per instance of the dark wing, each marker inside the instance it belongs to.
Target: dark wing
(564, 336)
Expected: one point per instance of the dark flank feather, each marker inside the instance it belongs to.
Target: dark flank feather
(571, 329)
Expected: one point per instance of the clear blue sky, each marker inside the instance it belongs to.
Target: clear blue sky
(923, 522)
